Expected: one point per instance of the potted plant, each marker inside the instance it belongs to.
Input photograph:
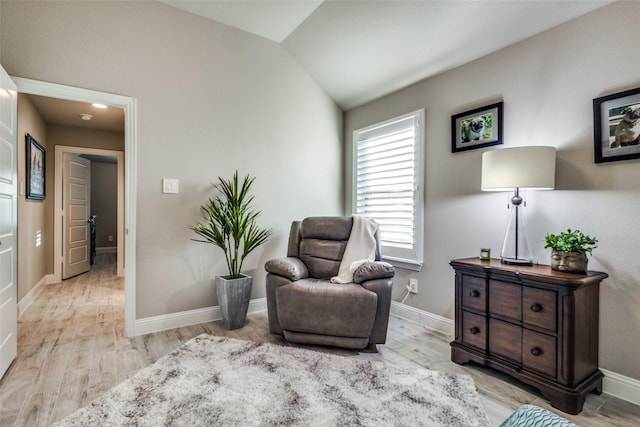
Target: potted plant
(569, 250)
(231, 225)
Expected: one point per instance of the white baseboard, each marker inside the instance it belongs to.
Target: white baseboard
(617, 385)
(423, 318)
(26, 300)
(163, 322)
(258, 305)
(107, 249)
(192, 317)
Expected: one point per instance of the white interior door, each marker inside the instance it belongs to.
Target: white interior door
(76, 178)
(8, 225)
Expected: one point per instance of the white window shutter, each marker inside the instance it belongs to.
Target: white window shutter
(387, 185)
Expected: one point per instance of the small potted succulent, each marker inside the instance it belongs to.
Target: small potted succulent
(569, 250)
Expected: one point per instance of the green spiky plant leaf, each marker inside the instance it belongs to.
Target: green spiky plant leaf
(570, 241)
(230, 222)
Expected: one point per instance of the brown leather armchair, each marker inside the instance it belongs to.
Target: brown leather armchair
(305, 307)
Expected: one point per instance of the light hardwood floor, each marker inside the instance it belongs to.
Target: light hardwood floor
(71, 348)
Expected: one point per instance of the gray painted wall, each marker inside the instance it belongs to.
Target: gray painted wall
(547, 83)
(211, 99)
(35, 217)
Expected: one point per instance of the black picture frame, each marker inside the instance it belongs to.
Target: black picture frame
(36, 169)
(465, 137)
(616, 126)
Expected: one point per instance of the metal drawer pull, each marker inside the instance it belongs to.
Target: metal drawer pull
(536, 308)
(474, 293)
(474, 330)
(536, 351)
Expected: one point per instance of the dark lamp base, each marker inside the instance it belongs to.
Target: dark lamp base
(517, 261)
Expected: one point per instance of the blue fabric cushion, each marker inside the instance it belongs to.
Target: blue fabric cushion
(534, 416)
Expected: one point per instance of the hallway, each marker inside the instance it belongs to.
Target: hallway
(68, 339)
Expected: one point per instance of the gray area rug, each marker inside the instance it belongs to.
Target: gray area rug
(223, 381)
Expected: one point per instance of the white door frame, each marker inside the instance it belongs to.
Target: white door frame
(59, 202)
(35, 87)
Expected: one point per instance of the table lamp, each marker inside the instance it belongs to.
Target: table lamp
(512, 169)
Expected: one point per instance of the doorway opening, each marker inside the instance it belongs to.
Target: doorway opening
(59, 202)
(128, 165)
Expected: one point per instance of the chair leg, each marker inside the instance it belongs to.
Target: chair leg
(370, 348)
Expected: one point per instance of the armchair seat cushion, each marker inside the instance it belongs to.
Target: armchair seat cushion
(317, 306)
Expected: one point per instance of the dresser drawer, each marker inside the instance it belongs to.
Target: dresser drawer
(505, 339)
(474, 292)
(474, 330)
(532, 323)
(539, 352)
(539, 308)
(505, 299)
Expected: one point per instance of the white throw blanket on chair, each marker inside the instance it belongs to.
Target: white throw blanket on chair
(361, 248)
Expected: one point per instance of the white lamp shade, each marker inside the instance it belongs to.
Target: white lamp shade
(519, 167)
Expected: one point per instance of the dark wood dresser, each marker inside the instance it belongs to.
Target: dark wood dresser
(535, 324)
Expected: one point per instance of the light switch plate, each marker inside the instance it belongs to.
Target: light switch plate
(170, 186)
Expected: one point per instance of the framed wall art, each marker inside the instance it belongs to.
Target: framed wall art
(477, 128)
(35, 158)
(616, 126)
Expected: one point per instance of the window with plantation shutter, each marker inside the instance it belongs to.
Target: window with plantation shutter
(388, 176)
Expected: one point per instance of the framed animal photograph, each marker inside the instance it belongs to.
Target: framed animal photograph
(35, 159)
(616, 126)
(477, 128)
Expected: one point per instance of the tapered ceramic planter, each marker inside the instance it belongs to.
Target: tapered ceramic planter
(233, 298)
(569, 262)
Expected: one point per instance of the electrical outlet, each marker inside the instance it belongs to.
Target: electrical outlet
(413, 286)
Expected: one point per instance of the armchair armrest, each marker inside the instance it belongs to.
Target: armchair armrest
(289, 267)
(373, 270)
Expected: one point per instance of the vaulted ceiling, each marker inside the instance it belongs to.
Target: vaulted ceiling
(359, 50)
